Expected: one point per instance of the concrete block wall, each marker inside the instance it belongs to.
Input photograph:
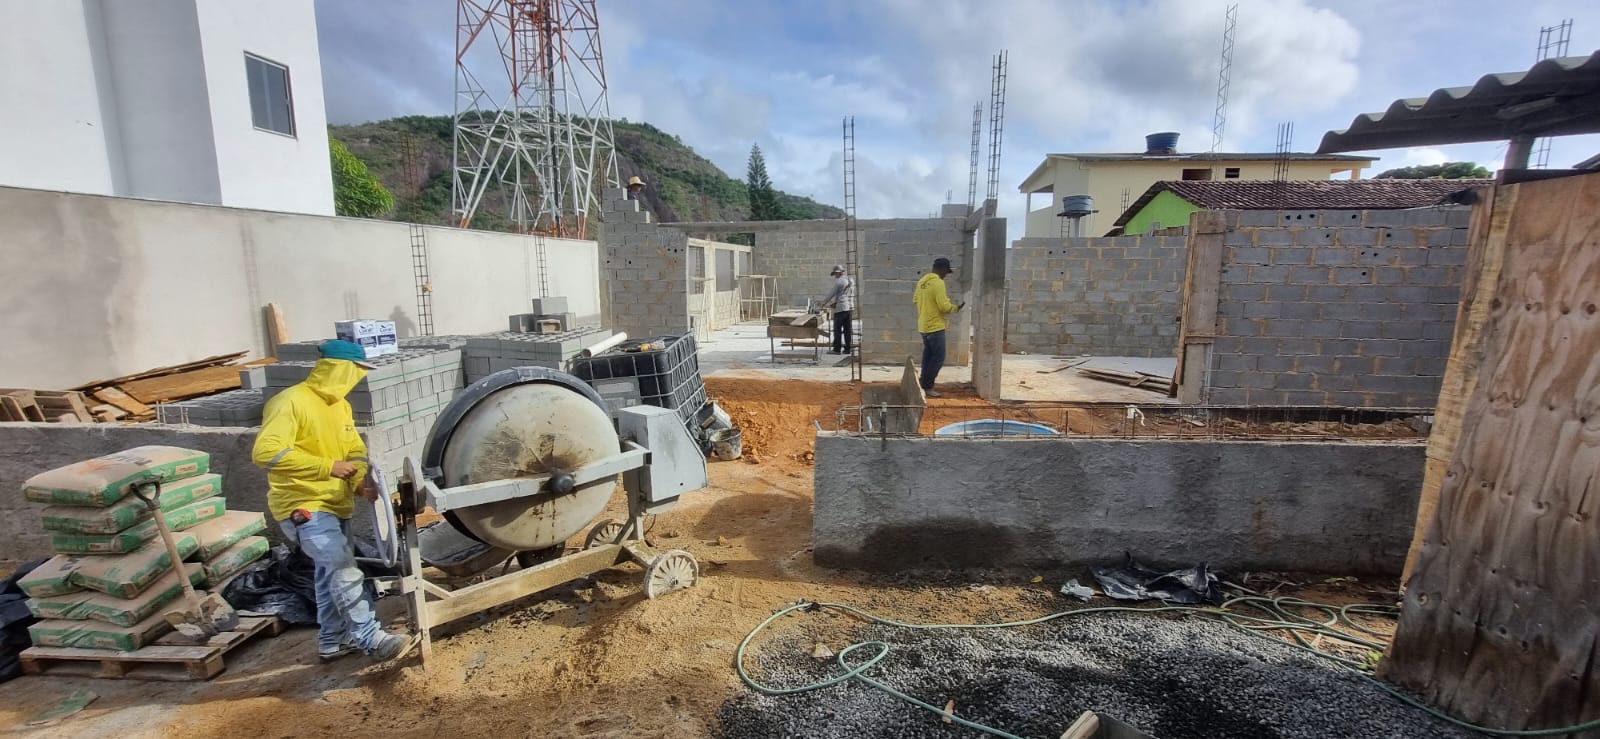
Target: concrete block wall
(1111, 297)
(1336, 308)
(895, 253)
(949, 502)
(643, 271)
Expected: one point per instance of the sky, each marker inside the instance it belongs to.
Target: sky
(1083, 77)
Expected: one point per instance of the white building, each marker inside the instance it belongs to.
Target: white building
(203, 101)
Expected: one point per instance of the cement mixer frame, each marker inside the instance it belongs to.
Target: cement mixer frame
(657, 459)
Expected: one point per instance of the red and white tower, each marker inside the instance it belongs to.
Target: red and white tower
(533, 143)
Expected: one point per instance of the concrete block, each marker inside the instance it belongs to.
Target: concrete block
(549, 306)
(1275, 237)
(1309, 275)
(1356, 236)
(1351, 276)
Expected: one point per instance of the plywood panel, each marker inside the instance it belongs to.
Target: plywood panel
(1500, 624)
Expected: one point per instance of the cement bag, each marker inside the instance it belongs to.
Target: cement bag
(127, 575)
(130, 510)
(88, 604)
(54, 577)
(220, 533)
(234, 559)
(105, 480)
(96, 635)
(123, 542)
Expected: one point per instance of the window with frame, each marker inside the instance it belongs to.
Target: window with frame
(271, 103)
(1230, 173)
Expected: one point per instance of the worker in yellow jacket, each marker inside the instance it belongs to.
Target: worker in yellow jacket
(933, 304)
(316, 464)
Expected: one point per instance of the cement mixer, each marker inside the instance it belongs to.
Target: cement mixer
(524, 460)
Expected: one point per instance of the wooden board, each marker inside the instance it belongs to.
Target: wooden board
(168, 370)
(185, 385)
(160, 661)
(1499, 625)
(115, 397)
(277, 327)
(1198, 319)
(1486, 253)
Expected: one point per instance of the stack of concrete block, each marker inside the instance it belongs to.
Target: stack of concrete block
(643, 270)
(299, 351)
(490, 353)
(232, 408)
(550, 315)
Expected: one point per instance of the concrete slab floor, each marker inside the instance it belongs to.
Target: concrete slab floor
(743, 350)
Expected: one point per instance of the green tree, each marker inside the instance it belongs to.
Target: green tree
(356, 192)
(1446, 171)
(763, 200)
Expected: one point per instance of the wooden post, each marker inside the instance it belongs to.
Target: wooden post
(1499, 625)
(1198, 327)
(277, 328)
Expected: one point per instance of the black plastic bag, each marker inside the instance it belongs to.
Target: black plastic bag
(15, 618)
(1134, 581)
(284, 584)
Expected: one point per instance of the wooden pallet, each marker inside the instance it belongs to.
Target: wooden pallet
(162, 660)
(17, 404)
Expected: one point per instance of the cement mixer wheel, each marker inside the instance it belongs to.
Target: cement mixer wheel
(671, 571)
(605, 532)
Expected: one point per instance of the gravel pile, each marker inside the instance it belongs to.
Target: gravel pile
(1174, 678)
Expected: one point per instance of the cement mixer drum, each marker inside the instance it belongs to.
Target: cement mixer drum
(525, 430)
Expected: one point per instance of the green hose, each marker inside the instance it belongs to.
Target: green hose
(1278, 618)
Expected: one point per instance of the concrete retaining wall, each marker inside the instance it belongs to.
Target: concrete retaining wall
(104, 286)
(889, 504)
(1336, 308)
(1116, 297)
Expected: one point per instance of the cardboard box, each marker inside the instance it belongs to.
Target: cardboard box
(377, 338)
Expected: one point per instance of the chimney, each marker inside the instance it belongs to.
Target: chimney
(1164, 144)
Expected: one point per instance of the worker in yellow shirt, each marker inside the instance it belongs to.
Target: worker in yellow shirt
(933, 304)
(316, 464)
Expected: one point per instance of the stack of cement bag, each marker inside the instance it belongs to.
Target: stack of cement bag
(112, 579)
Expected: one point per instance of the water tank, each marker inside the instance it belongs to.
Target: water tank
(1165, 142)
(1076, 206)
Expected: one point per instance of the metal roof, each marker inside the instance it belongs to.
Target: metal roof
(1556, 97)
(1199, 156)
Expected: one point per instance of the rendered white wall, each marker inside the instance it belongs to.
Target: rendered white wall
(53, 127)
(149, 98)
(117, 285)
(265, 169)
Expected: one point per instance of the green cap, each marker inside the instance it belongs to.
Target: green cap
(346, 350)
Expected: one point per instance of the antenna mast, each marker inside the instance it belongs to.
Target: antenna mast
(1219, 119)
(533, 130)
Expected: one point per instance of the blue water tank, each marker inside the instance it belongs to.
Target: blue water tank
(1165, 142)
(1077, 206)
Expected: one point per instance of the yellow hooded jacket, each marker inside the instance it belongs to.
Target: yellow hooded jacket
(933, 304)
(304, 430)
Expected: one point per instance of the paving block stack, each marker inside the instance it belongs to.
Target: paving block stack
(112, 577)
(395, 404)
(232, 408)
(490, 353)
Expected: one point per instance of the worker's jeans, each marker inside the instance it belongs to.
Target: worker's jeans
(841, 331)
(344, 614)
(932, 358)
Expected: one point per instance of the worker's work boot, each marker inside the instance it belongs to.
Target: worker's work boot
(390, 647)
(933, 393)
(345, 649)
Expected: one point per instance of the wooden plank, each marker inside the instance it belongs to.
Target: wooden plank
(519, 584)
(27, 404)
(168, 370)
(185, 385)
(1498, 625)
(1486, 253)
(277, 327)
(115, 397)
(1198, 309)
(11, 410)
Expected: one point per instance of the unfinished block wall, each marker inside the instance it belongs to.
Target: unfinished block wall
(1334, 308)
(1114, 296)
(895, 253)
(643, 271)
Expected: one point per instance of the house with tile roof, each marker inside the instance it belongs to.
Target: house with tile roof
(1168, 204)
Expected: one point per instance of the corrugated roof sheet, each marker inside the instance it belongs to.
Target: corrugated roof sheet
(1556, 97)
(1385, 194)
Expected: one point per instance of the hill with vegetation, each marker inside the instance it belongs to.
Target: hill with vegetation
(685, 185)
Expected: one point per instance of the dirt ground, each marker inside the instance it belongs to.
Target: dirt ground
(594, 658)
